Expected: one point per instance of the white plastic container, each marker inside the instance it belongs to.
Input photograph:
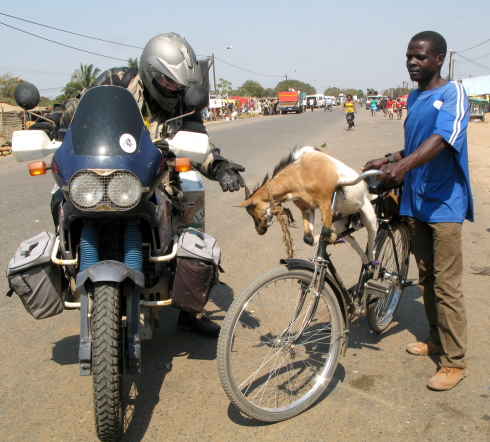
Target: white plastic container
(191, 145)
(193, 187)
(29, 145)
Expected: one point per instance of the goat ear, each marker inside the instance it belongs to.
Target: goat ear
(245, 203)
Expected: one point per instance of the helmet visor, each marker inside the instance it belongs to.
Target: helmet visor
(167, 85)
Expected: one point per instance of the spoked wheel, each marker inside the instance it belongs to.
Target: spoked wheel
(107, 361)
(279, 345)
(380, 313)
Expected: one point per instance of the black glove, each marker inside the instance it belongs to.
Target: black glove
(229, 178)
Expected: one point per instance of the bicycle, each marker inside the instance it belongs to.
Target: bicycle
(328, 107)
(282, 337)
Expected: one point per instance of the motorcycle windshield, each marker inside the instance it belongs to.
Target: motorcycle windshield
(107, 122)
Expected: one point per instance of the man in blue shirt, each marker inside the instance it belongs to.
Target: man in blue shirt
(436, 199)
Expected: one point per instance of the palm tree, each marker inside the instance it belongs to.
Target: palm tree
(133, 62)
(81, 79)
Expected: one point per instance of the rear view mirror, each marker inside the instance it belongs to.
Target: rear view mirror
(197, 97)
(26, 95)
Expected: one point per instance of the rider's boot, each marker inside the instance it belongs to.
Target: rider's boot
(198, 323)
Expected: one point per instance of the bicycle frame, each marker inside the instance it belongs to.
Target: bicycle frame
(355, 299)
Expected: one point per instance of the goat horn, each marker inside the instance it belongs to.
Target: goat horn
(247, 193)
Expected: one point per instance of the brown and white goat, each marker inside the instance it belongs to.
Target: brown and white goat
(309, 178)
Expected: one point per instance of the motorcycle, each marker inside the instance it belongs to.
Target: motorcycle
(115, 248)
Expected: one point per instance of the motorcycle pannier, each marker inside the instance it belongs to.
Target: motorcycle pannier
(198, 257)
(35, 278)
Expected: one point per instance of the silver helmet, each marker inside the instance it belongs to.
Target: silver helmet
(168, 65)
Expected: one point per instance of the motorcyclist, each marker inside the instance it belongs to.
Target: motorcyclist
(168, 67)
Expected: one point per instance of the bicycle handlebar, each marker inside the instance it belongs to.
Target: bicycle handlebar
(368, 173)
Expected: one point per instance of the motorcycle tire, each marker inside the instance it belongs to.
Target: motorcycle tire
(107, 361)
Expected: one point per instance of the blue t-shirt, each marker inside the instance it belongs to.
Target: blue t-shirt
(440, 190)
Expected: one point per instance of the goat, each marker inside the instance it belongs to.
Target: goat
(309, 178)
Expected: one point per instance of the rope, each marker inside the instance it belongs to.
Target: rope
(286, 220)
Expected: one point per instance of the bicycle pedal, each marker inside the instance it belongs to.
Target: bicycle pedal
(376, 289)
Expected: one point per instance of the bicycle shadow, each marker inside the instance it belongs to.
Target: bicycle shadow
(410, 316)
(239, 418)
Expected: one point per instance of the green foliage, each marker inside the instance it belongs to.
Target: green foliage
(224, 86)
(81, 79)
(296, 85)
(396, 92)
(332, 92)
(133, 63)
(251, 89)
(8, 83)
(335, 91)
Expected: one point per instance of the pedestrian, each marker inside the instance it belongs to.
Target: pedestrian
(312, 104)
(374, 106)
(389, 105)
(350, 111)
(399, 108)
(384, 106)
(436, 200)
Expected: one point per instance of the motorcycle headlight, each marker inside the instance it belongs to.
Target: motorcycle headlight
(124, 190)
(86, 190)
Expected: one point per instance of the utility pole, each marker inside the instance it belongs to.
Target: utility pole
(287, 84)
(451, 66)
(214, 74)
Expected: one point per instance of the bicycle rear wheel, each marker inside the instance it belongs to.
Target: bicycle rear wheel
(279, 345)
(380, 313)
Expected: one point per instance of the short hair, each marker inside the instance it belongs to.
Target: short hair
(437, 41)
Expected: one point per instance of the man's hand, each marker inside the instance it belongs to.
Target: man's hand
(229, 178)
(393, 174)
(375, 164)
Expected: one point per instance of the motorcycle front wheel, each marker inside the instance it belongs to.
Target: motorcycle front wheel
(107, 361)
(279, 345)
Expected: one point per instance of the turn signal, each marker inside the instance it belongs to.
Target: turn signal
(182, 164)
(37, 168)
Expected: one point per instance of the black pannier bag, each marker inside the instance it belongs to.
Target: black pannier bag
(35, 278)
(198, 257)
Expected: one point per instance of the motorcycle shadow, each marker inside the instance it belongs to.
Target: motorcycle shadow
(143, 392)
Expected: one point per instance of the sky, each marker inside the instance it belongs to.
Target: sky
(347, 44)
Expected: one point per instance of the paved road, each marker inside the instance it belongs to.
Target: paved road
(379, 390)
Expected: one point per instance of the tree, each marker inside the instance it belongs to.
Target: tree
(251, 89)
(296, 85)
(133, 62)
(8, 83)
(332, 92)
(224, 86)
(81, 79)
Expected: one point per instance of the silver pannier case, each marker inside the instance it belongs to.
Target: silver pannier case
(35, 278)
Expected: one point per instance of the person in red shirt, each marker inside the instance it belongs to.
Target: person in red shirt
(399, 108)
(390, 108)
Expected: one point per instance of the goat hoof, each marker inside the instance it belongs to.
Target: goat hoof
(308, 239)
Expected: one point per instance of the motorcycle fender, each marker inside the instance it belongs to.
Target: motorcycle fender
(134, 283)
(293, 263)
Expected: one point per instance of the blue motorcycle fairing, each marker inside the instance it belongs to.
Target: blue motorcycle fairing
(107, 132)
(144, 163)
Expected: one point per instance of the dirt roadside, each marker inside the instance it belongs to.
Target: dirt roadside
(479, 152)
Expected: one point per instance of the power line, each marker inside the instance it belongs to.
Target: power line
(473, 47)
(256, 73)
(31, 71)
(474, 59)
(475, 63)
(61, 44)
(68, 32)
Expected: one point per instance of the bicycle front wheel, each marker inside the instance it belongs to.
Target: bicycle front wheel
(279, 345)
(394, 256)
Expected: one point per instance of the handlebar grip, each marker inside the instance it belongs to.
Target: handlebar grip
(377, 187)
